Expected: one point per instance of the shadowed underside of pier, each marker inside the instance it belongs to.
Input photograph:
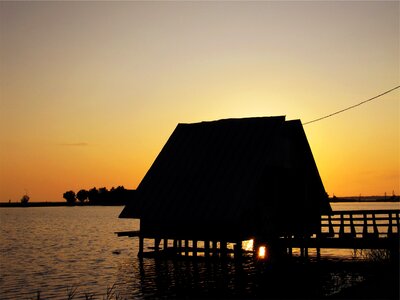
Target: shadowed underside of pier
(360, 229)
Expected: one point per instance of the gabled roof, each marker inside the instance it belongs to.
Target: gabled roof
(222, 173)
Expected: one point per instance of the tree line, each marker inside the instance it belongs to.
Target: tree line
(101, 196)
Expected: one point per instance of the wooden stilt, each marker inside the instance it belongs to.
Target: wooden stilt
(223, 248)
(290, 249)
(331, 230)
(180, 247)
(390, 226)
(186, 247)
(365, 226)
(165, 244)
(238, 249)
(140, 253)
(376, 231)
(214, 248)
(341, 230)
(194, 248)
(157, 244)
(352, 227)
(206, 248)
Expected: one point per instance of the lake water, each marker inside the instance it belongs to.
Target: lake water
(57, 250)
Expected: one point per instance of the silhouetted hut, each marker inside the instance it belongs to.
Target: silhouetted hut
(231, 180)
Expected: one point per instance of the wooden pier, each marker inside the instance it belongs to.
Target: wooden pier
(356, 229)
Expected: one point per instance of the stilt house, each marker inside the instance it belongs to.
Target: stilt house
(231, 180)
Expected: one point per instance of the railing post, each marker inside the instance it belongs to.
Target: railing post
(223, 248)
(341, 230)
(206, 248)
(352, 228)
(390, 229)
(376, 231)
(165, 244)
(194, 248)
(237, 249)
(140, 253)
(365, 226)
(319, 233)
(157, 244)
(331, 230)
(180, 246)
(214, 248)
(186, 247)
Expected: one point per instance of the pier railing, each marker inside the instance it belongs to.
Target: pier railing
(361, 224)
(355, 229)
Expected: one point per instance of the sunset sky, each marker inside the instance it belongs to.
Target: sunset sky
(91, 91)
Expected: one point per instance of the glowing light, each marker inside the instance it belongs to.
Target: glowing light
(248, 245)
(262, 252)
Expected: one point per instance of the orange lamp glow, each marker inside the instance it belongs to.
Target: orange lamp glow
(262, 252)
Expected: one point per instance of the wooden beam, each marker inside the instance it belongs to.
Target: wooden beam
(135, 233)
(206, 248)
(140, 254)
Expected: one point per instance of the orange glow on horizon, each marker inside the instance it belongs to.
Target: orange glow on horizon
(91, 103)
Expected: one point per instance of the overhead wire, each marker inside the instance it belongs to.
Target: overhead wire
(351, 107)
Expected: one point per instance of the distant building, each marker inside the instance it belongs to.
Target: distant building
(231, 180)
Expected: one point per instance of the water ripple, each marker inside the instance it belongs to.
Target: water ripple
(55, 249)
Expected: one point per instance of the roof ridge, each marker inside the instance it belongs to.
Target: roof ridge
(281, 118)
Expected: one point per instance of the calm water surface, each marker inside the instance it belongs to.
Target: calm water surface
(56, 249)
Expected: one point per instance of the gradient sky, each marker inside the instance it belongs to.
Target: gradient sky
(91, 91)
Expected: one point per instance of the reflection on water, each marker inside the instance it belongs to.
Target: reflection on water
(52, 249)
(153, 278)
(364, 205)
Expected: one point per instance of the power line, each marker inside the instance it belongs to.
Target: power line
(353, 106)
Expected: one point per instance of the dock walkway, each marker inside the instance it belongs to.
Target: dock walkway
(355, 229)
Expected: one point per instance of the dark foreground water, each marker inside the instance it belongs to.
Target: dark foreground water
(58, 250)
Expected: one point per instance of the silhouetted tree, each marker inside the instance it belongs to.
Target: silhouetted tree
(24, 199)
(82, 195)
(93, 195)
(103, 195)
(118, 195)
(103, 190)
(70, 197)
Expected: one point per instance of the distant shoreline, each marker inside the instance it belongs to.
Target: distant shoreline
(51, 204)
(365, 199)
